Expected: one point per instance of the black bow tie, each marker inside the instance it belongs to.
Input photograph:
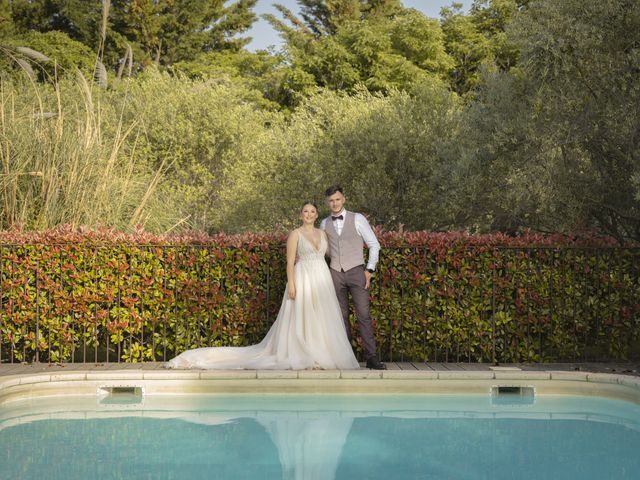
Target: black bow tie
(339, 217)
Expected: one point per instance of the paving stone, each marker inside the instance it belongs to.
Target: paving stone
(228, 374)
(352, 374)
(115, 375)
(68, 376)
(35, 378)
(576, 376)
(277, 374)
(521, 375)
(406, 366)
(168, 374)
(603, 377)
(465, 375)
(410, 374)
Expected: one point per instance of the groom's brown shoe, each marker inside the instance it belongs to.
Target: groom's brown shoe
(374, 364)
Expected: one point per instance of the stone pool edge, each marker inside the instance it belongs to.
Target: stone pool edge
(175, 382)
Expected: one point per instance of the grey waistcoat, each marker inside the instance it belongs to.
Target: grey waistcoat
(345, 249)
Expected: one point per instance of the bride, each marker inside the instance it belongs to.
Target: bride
(308, 332)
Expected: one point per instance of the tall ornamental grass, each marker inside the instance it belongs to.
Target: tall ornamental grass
(67, 157)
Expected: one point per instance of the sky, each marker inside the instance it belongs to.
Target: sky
(265, 36)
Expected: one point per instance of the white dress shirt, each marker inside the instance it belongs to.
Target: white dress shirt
(364, 230)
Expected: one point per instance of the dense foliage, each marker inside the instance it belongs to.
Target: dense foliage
(164, 31)
(69, 296)
(517, 114)
(144, 115)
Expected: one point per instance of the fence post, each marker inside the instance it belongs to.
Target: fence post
(37, 340)
(493, 312)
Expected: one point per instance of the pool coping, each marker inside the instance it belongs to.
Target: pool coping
(71, 380)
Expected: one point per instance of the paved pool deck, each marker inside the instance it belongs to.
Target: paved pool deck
(415, 369)
(27, 381)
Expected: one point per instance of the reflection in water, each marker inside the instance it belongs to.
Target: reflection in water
(309, 445)
(299, 437)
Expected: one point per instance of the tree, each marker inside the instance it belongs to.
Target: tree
(386, 151)
(324, 17)
(197, 130)
(553, 143)
(79, 19)
(468, 47)
(6, 22)
(479, 38)
(190, 27)
(492, 18)
(161, 31)
(379, 44)
(138, 23)
(279, 83)
(582, 60)
(55, 53)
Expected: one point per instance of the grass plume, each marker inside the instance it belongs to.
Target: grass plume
(69, 160)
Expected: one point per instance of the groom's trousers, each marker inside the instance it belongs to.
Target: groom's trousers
(353, 281)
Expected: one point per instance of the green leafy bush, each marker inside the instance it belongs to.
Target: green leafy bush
(64, 54)
(104, 295)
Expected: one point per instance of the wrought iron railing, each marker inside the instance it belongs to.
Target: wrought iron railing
(516, 304)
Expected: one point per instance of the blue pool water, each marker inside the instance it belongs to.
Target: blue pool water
(320, 437)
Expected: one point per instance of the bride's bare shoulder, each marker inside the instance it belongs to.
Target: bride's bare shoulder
(293, 235)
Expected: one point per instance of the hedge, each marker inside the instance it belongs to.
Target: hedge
(105, 296)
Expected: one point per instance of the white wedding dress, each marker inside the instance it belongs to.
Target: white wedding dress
(308, 332)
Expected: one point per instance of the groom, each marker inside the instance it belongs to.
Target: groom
(347, 232)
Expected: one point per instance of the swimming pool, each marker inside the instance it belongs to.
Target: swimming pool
(141, 429)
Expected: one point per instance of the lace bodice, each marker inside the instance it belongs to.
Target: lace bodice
(306, 250)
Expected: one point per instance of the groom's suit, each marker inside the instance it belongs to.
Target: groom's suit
(347, 236)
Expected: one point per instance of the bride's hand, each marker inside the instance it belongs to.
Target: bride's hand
(292, 292)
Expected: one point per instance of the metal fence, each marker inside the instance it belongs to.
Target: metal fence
(476, 304)
(513, 305)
